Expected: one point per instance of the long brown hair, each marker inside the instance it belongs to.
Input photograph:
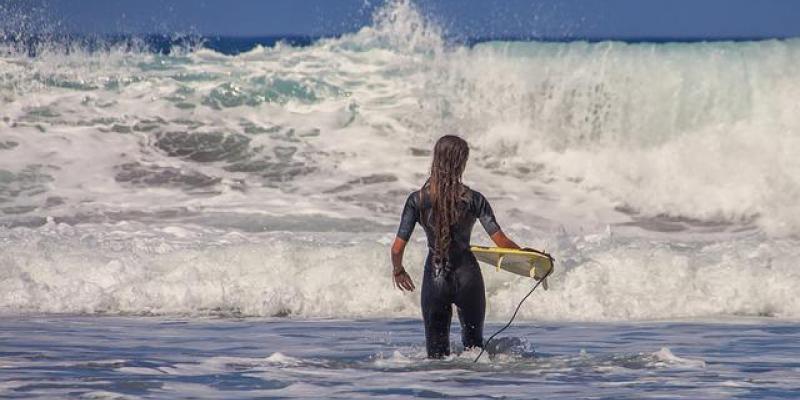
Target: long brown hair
(446, 190)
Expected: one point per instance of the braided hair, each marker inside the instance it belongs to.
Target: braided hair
(446, 190)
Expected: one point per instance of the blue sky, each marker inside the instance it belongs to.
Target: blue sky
(549, 19)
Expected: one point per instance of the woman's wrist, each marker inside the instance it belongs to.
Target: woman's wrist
(398, 270)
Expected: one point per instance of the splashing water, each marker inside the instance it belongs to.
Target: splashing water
(661, 176)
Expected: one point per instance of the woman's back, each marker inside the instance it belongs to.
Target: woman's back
(472, 205)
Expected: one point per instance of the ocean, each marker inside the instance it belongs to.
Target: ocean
(212, 222)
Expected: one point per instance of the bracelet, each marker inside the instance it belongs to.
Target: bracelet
(402, 270)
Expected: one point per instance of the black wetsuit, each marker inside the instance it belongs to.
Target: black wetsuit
(461, 283)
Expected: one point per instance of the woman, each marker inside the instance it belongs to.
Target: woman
(447, 210)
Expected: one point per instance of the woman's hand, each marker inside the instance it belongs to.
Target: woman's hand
(402, 280)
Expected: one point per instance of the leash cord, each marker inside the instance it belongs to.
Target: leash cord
(485, 345)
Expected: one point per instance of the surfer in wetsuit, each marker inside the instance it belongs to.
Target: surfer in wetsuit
(447, 209)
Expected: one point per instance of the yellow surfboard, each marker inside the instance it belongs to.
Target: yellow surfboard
(529, 263)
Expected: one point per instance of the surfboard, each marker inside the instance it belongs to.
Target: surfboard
(529, 263)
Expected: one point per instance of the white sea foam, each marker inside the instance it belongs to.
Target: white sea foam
(666, 357)
(347, 275)
(662, 176)
(697, 131)
(282, 359)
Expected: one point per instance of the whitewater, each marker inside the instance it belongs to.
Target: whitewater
(268, 185)
(663, 173)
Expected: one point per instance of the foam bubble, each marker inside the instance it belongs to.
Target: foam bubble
(666, 357)
(279, 358)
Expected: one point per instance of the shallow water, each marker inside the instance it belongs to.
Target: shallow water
(121, 357)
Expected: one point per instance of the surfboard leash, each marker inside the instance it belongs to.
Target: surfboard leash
(485, 345)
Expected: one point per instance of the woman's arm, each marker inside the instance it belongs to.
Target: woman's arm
(501, 240)
(401, 279)
(485, 214)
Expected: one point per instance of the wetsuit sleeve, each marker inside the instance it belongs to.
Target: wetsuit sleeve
(485, 214)
(409, 218)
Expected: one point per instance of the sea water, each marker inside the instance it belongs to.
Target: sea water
(215, 225)
(168, 357)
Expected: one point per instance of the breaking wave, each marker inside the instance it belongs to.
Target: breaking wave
(679, 157)
(136, 269)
